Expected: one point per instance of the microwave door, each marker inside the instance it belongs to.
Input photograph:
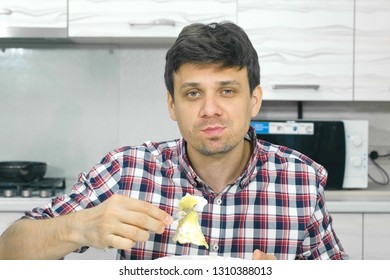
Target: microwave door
(326, 146)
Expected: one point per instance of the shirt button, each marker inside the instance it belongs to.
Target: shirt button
(215, 247)
(219, 201)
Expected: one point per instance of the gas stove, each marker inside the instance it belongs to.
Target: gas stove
(45, 187)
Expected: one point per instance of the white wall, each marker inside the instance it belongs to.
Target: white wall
(70, 105)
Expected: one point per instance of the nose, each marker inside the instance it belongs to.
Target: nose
(210, 107)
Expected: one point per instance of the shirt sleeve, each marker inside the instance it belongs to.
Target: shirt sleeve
(90, 190)
(321, 241)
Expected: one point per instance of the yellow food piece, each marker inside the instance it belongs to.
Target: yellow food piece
(189, 230)
(187, 201)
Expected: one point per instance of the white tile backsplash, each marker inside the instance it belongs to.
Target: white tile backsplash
(57, 105)
(70, 105)
(143, 107)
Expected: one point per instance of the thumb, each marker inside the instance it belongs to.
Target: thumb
(259, 255)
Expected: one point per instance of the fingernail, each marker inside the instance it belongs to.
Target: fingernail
(168, 220)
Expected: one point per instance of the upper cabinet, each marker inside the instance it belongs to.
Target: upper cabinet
(33, 19)
(309, 50)
(372, 50)
(143, 18)
(305, 47)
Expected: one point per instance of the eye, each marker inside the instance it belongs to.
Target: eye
(228, 92)
(193, 94)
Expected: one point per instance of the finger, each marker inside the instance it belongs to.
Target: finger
(120, 242)
(137, 213)
(123, 235)
(133, 233)
(147, 208)
(259, 255)
(142, 221)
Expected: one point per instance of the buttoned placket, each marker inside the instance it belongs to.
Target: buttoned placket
(215, 233)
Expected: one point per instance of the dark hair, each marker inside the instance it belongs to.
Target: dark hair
(224, 44)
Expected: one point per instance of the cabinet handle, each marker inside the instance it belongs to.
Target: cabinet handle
(287, 86)
(5, 12)
(157, 22)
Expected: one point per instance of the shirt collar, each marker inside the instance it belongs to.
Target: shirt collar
(242, 181)
(185, 165)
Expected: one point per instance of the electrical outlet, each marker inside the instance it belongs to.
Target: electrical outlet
(381, 150)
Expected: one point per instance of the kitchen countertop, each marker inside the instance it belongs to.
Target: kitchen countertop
(20, 204)
(374, 199)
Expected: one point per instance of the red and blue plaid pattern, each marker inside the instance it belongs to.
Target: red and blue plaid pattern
(277, 205)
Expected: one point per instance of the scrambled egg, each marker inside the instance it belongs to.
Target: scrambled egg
(189, 230)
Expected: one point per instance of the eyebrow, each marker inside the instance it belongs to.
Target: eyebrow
(222, 83)
(229, 82)
(189, 84)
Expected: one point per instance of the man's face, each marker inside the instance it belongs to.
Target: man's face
(213, 107)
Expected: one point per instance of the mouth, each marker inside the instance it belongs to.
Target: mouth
(213, 131)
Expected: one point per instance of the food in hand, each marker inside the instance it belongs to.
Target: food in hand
(189, 230)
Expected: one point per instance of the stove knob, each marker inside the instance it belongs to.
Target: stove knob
(9, 193)
(44, 193)
(25, 193)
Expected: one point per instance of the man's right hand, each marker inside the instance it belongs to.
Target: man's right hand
(120, 222)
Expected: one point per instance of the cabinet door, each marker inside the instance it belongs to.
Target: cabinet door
(143, 18)
(376, 236)
(26, 18)
(349, 229)
(372, 52)
(305, 47)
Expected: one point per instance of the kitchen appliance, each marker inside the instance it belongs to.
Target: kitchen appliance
(44, 187)
(340, 146)
(22, 171)
(26, 179)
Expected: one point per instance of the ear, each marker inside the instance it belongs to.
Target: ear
(257, 98)
(171, 106)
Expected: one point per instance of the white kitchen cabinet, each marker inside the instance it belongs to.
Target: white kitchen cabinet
(349, 229)
(27, 18)
(372, 52)
(143, 18)
(376, 236)
(305, 47)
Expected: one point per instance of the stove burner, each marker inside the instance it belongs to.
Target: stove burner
(45, 187)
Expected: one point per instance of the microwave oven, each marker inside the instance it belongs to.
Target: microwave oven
(339, 146)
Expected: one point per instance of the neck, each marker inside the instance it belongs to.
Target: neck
(220, 170)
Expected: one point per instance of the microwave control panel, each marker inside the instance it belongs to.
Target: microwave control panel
(356, 140)
(289, 127)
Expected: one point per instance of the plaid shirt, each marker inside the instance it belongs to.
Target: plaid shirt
(277, 204)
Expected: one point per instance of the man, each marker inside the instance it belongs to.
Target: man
(264, 201)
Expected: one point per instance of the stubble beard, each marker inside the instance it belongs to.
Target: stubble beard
(212, 147)
(210, 151)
